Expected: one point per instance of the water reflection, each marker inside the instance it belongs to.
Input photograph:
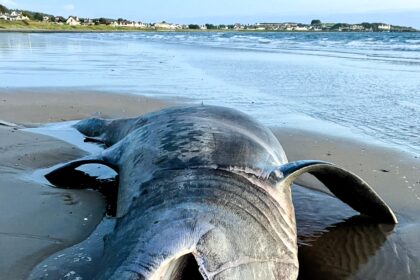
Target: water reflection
(336, 243)
(343, 249)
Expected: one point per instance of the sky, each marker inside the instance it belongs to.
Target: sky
(402, 12)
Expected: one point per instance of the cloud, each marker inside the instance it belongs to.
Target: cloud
(8, 3)
(68, 7)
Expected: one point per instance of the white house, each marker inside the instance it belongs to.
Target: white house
(165, 25)
(15, 16)
(384, 27)
(142, 25)
(315, 28)
(45, 18)
(129, 23)
(301, 28)
(73, 21)
(356, 27)
(238, 26)
(87, 21)
(124, 23)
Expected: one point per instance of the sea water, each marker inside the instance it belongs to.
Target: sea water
(363, 84)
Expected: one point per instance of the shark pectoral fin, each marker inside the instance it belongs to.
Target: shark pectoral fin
(98, 140)
(69, 177)
(345, 185)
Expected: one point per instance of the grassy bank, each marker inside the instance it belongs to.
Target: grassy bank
(45, 26)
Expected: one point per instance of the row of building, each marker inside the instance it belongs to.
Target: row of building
(71, 20)
(13, 16)
(74, 20)
(316, 27)
(125, 23)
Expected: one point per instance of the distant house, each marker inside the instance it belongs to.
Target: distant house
(301, 28)
(4, 16)
(356, 27)
(238, 26)
(142, 25)
(165, 25)
(86, 21)
(45, 18)
(16, 16)
(71, 20)
(59, 19)
(124, 22)
(288, 26)
(269, 26)
(13, 16)
(384, 27)
(315, 28)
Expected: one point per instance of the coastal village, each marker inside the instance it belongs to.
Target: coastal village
(314, 26)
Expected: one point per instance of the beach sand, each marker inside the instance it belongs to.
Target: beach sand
(38, 220)
(394, 174)
(354, 248)
(44, 105)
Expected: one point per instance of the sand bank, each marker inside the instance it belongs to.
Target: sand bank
(38, 220)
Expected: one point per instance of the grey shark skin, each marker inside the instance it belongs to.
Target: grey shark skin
(209, 183)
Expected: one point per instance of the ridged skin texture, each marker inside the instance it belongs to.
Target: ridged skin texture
(191, 180)
(210, 184)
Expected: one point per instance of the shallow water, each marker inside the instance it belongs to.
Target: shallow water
(365, 85)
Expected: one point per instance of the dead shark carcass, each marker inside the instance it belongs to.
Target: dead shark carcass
(205, 185)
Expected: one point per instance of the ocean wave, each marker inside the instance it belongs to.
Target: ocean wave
(372, 44)
(412, 41)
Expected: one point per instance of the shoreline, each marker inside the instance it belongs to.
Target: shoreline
(18, 30)
(33, 233)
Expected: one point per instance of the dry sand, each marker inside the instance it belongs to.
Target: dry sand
(38, 220)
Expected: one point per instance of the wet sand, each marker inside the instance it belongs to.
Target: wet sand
(44, 105)
(38, 220)
(395, 175)
(336, 245)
